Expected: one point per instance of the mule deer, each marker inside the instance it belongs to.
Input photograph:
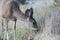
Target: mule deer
(10, 11)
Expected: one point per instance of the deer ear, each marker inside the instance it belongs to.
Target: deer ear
(29, 12)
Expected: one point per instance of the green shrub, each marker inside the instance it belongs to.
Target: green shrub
(57, 2)
(0, 36)
(21, 1)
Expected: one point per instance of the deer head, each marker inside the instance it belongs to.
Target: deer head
(31, 21)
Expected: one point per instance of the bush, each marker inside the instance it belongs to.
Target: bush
(21, 1)
(57, 2)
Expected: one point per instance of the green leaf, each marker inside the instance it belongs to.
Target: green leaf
(57, 2)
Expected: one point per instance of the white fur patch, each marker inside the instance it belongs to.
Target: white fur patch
(29, 23)
(27, 19)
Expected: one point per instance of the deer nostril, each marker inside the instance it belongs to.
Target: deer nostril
(36, 30)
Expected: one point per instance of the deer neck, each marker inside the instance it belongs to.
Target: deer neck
(20, 16)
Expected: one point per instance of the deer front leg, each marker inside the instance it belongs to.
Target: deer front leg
(5, 29)
(14, 29)
(2, 29)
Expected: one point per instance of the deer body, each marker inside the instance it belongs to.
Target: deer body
(10, 11)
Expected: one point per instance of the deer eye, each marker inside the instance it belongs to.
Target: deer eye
(33, 22)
